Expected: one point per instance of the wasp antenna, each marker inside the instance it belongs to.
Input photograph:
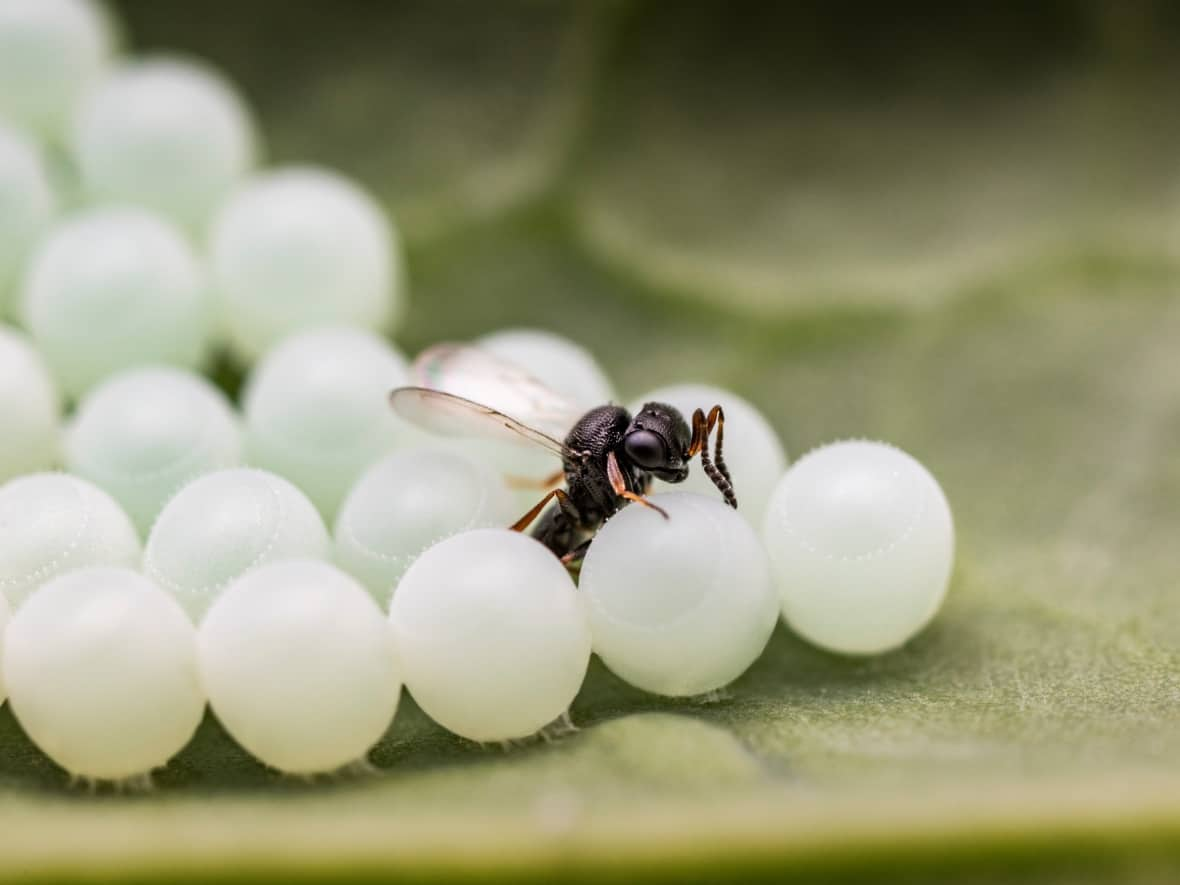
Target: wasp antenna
(719, 479)
(717, 417)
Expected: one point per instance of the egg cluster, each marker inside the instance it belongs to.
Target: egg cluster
(293, 559)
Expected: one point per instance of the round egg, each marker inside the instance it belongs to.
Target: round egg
(407, 502)
(52, 52)
(170, 134)
(112, 289)
(751, 448)
(101, 670)
(300, 666)
(144, 433)
(562, 364)
(225, 523)
(5, 615)
(861, 542)
(31, 407)
(317, 410)
(491, 634)
(681, 605)
(53, 523)
(27, 204)
(302, 247)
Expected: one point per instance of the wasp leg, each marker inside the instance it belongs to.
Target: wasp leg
(563, 501)
(530, 482)
(619, 485)
(577, 554)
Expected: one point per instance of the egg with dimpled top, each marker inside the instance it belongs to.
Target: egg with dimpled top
(145, 433)
(101, 670)
(317, 410)
(31, 407)
(300, 666)
(27, 204)
(409, 501)
(112, 289)
(679, 606)
(170, 134)
(861, 543)
(53, 523)
(752, 449)
(225, 523)
(491, 634)
(302, 247)
(52, 52)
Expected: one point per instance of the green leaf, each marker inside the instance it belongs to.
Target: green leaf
(891, 183)
(973, 265)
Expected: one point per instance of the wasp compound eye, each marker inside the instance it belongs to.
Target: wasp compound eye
(645, 448)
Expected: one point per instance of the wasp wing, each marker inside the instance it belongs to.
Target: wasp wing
(450, 415)
(500, 385)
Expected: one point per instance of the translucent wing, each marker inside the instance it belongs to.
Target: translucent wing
(450, 415)
(484, 395)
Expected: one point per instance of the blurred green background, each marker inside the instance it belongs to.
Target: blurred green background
(948, 228)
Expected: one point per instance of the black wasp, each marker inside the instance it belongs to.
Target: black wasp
(609, 457)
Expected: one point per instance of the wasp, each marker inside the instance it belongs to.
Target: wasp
(609, 457)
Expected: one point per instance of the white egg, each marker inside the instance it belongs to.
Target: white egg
(51, 53)
(101, 670)
(112, 289)
(30, 406)
(5, 616)
(27, 203)
(303, 247)
(300, 667)
(861, 543)
(145, 433)
(752, 449)
(679, 606)
(408, 502)
(166, 133)
(491, 634)
(564, 365)
(53, 523)
(317, 410)
(223, 524)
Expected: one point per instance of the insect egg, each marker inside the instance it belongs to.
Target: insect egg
(168, 134)
(142, 434)
(101, 671)
(51, 53)
(26, 206)
(491, 634)
(679, 606)
(303, 247)
(111, 289)
(565, 366)
(225, 523)
(52, 523)
(30, 405)
(861, 542)
(300, 666)
(5, 615)
(752, 449)
(317, 410)
(405, 503)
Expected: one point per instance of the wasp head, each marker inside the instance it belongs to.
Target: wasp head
(657, 440)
